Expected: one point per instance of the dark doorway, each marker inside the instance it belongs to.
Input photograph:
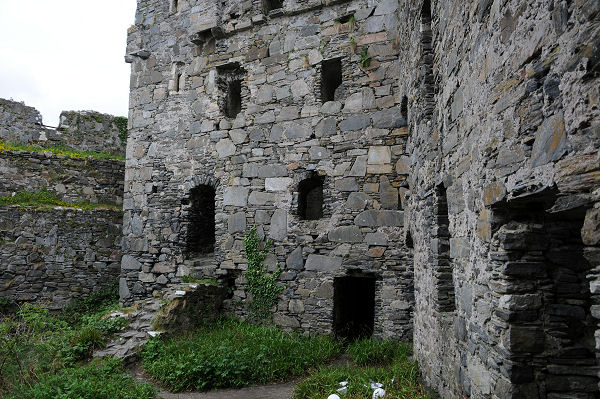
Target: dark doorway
(310, 198)
(201, 221)
(331, 78)
(353, 306)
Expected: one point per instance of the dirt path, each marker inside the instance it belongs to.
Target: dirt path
(273, 391)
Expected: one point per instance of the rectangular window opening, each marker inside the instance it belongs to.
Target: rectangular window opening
(230, 84)
(331, 80)
(272, 5)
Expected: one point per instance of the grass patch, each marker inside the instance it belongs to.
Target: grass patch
(232, 353)
(58, 150)
(48, 198)
(101, 379)
(388, 364)
(191, 279)
(41, 353)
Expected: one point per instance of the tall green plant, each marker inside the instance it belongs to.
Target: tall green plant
(262, 285)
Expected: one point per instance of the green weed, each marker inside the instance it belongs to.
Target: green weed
(58, 150)
(232, 353)
(101, 379)
(398, 374)
(48, 198)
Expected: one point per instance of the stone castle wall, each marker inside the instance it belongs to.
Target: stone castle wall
(184, 136)
(481, 115)
(50, 254)
(503, 147)
(91, 131)
(20, 123)
(81, 130)
(53, 255)
(72, 179)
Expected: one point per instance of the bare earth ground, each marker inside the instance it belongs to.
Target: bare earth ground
(273, 391)
(270, 391)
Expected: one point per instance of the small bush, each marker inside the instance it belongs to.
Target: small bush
(101, 379)
(231, 353)
(36, 344)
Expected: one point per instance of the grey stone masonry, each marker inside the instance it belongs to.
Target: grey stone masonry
(239, 98)
(72, 179)
(20, 123)
(454, 145)
(53, 255)
(91, 131)
(80, 130)
(501, 101)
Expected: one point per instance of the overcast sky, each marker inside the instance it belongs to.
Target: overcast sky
(60, 55)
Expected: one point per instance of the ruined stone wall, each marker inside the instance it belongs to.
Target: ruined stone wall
(52, 255)
(185, 134)
(91, 131)
(20, 123)
(80, 130)
(72, 179)
(503, 126)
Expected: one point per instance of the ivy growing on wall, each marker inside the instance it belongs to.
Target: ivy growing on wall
(262, 285)
(121, 123)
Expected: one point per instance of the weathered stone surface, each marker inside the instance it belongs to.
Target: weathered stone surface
(590, 232)
(278, 230)
(374, 218)
(357, 201)
(225, 148)
(379, 155)
(448, 108)
(359, 167)
(236, 222)
(323, 263)
(346, 184)
(130, 263)
(277, 183)
(294, 260)
(346, 234)
(550, 141)
(376, 239)
(236, 196)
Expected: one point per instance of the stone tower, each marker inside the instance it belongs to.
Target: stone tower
(285, 116)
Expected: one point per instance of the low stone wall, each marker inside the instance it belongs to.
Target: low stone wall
(91, 131)
(72, 179)
(55, 254)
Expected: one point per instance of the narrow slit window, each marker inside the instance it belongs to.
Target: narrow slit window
(177, 82)
(174, 6)
(426, 12)
(310, 198)
(331, 80)
(233, 104)
(404, 108)
(272, 5)
(444, 270)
